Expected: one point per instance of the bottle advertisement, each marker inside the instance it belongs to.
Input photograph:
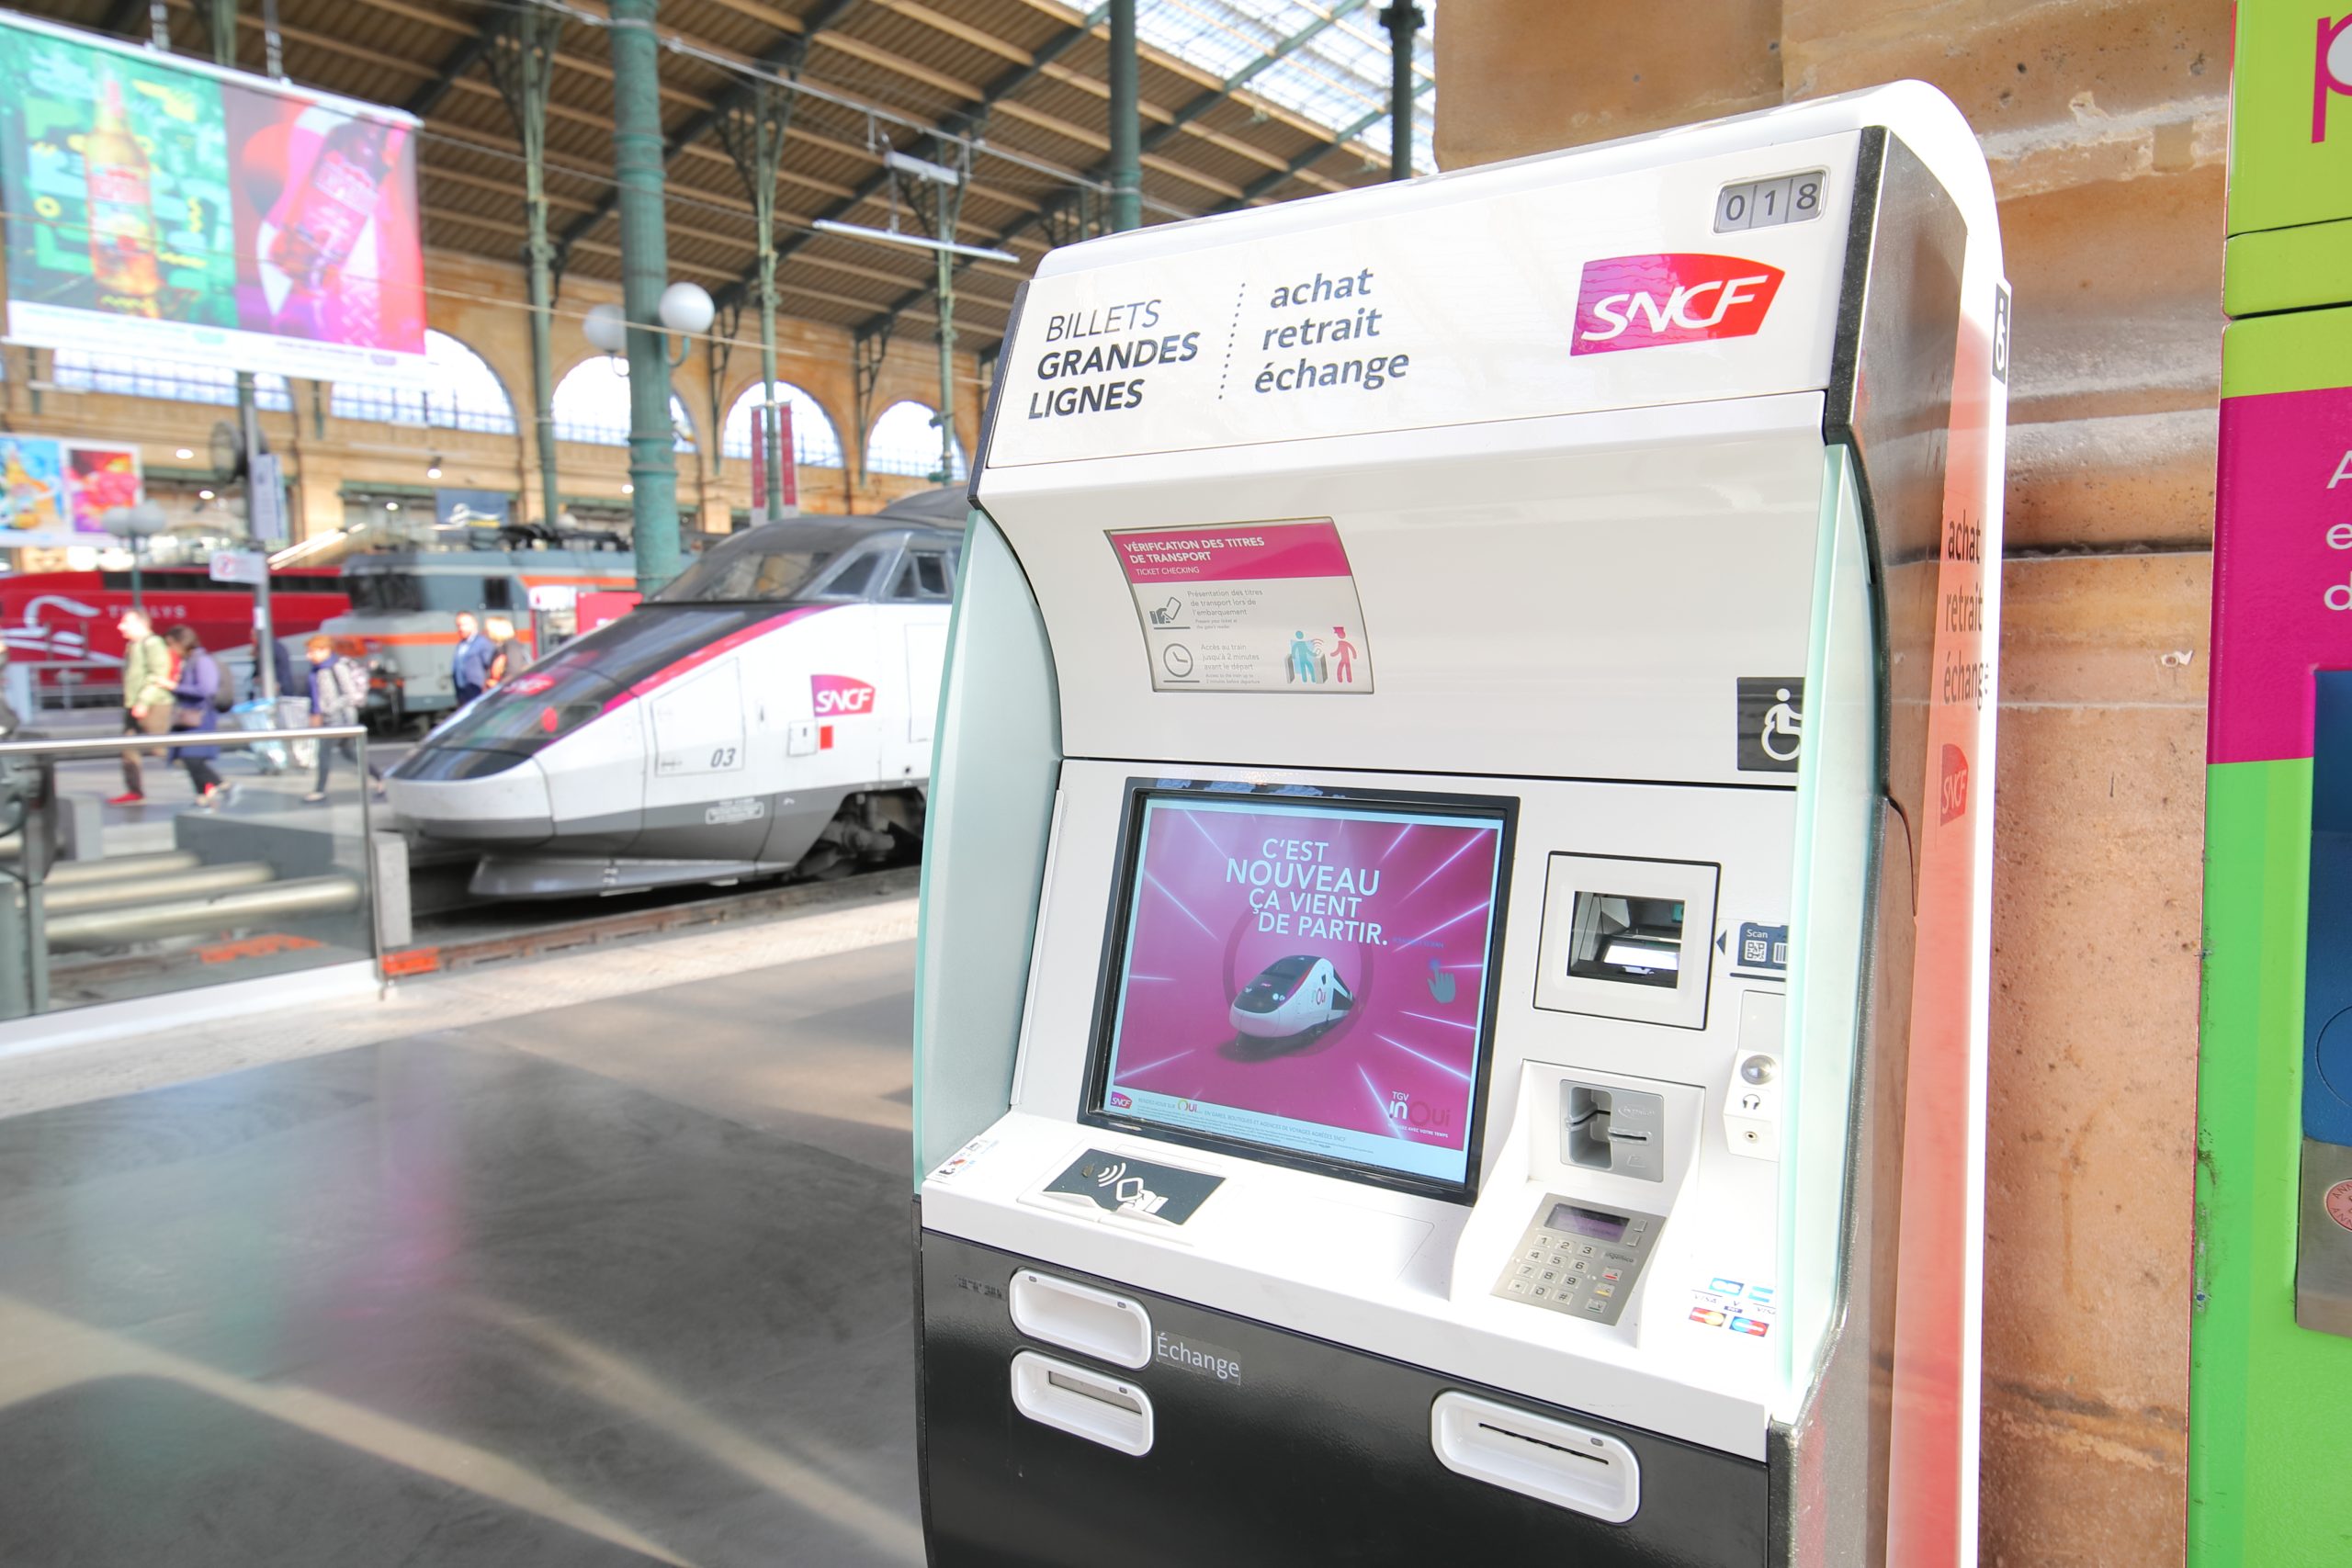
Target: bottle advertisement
(168, 208)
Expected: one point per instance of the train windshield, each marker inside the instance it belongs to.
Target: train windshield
(571, 686)
(779, 563)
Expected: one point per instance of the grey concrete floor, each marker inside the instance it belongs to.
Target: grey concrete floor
(619, 1283)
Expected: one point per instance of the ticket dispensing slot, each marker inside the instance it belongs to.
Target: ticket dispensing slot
(1082, 1402)
(1552, 1460)
(1082, 1319)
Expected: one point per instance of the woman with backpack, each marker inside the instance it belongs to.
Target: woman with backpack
(338, 695)
(198, 698)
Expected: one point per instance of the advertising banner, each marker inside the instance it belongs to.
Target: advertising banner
(161, 207)
(57, 493)
(454, 508)
(1312, 978)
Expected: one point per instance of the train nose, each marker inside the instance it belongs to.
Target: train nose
(475, 797)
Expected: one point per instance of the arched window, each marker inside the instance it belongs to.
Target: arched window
(466, 393)
(591, 404)
(904, 441)
(133, 376)
(815, 443)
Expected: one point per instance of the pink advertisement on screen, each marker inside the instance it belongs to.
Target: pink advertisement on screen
(1316, 964)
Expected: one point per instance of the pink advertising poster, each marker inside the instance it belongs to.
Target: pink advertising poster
(1312, 976)
(1249, 607)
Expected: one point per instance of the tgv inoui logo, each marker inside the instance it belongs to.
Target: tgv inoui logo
(1645, 301)
(2331, 70)
(838, 696)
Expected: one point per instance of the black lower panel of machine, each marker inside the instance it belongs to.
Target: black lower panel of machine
(1311, 1454)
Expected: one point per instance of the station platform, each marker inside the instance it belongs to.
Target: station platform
(596, 1259)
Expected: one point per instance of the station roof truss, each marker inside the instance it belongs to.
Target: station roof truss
(1242, 102)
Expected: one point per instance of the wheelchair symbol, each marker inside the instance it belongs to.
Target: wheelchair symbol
(1783, 721)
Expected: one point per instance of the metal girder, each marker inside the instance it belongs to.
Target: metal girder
(1006, 83)
(1275, 177)
(785, 54)
(456, 63)
(1054, 217)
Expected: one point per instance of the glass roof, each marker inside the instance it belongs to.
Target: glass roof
(1338, 78)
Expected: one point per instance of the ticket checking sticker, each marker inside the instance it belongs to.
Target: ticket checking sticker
(1253, 607)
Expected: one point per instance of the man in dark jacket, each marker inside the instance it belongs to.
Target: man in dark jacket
(470, 669)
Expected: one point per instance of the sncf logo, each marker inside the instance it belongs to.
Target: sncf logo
(1647, 301)
(838, 696)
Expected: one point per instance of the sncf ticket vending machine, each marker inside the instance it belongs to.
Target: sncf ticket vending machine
(1450, 1014)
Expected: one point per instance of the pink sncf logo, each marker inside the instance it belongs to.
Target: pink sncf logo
(1685, 296)
(2331, 70)
(840, 696)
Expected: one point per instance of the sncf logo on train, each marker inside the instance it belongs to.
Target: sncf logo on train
(1648, 302)
(840, 696)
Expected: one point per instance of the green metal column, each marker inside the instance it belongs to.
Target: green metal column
(1127, 130)
(946, 213)
(645, 267)
(754, 138)
(223, 22)
(522, 67)
(1402, 19)
(946, 290)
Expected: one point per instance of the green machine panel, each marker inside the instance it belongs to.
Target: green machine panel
(2271, 1339)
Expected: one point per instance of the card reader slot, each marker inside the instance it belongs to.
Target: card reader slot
(1082, 1402)
(1554, 1461)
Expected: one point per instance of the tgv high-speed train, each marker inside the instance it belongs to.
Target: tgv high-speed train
(769, 711)
(1292, 995)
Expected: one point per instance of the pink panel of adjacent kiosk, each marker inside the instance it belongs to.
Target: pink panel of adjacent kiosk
(1451, 1012)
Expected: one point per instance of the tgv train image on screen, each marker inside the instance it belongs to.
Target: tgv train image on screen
(1292, 995)
(768, 712)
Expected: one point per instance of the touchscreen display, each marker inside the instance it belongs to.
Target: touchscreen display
(1309, 977)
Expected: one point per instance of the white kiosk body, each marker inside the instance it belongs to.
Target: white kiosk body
(1451, 1009)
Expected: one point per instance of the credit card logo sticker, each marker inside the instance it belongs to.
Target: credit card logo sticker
(1652, 300)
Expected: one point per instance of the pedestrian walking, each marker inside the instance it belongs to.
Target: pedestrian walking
(148, 674)
(195, 708)
(469, 664)
(338, 689)
(505, 659)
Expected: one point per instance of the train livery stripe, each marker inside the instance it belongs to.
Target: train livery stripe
(710, 651)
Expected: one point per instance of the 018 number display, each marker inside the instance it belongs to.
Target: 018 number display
(1767, 204)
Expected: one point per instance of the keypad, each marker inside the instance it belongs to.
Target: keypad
(1590, 1279)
